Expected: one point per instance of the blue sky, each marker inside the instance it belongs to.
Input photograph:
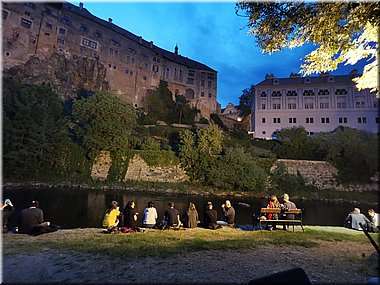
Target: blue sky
(208, 32)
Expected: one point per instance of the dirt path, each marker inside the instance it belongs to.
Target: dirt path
(330, 263)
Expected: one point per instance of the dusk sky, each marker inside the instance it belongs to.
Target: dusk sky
(208, 32)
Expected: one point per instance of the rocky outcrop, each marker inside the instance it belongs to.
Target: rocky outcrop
(101, 166)
(138, 169)
(65, 73)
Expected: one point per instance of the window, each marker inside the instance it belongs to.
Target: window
(98, 34)
(167, 73)
(60, 41)
(264, 132)
(27, 13)
(30, 5)
(263, 120)
(62, 31)
(115, 42)
(324, 105)
(145, 78)
(26, 23)
(309, 120)
(89, 43)
(340, 92)
(209, 84)
(292, 105)
(143, 55)
(309, 105)
(84, 28)
(16, 34)
(276, 94)
(210, 76)
(291, 93)
(342, 120)
(203, 75)
(110, 51)
(277, 106)
(308, 93)
(325, 120)
(155, 68)
(190, 80)
(323, 92)
(263, 106)
(191, 73)
(209, 95)
(48, 26)
(32, 40)
(362, 120)
(5, 14)
(360, 104)
(292, 120)
(132, 50)
(202, 83)
(65, 21)
(277, 120)
(202, 94)
(263, 94)
(377, 120)
(341, 105)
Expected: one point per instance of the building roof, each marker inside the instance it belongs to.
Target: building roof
(313, 80)
(167, 54)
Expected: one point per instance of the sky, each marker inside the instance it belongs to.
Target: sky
(210, 33)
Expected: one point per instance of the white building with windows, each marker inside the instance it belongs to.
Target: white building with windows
(319, 104)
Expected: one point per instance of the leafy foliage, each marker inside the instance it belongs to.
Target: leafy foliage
(245, 101)
(104, 122)
(35, 131)
(344, 32)
(236, 170)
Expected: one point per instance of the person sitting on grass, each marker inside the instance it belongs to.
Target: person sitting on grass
(171, 217)
(110, 220)
(31, 221)
(354, 219)
(374, 224)
(210, 218)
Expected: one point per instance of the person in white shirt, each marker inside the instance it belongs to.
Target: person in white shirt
(150, 216)
(374, 224)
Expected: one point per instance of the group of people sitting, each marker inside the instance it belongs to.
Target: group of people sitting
(29, 221)
(114, 220)
(285, 206)
(358, 221)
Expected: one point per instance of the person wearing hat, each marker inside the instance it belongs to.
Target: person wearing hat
(8, 210)
(210, 217)
(31, 221)
(110, 220)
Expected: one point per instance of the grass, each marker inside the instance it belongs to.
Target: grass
(169, 243)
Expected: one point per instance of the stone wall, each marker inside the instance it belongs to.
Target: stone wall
(320, 174)
(138, 169)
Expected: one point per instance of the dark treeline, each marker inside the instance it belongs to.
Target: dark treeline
(50, 139)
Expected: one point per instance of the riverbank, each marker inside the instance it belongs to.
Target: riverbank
(369, 197)
(328, 255)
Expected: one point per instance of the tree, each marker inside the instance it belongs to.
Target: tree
(343, 31)
(34, 131)
(104, 122)
(245, 101)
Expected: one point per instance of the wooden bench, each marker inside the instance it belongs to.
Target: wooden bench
(296, 212)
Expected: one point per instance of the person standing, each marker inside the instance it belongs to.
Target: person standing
(210, 218)
(171, 217)
(31, 221)
(192, 218)
(229, 213)
(8, 210)
(150, 216)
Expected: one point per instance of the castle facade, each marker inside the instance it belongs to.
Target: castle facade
(133, 66)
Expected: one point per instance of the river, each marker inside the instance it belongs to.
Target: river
(81, 208)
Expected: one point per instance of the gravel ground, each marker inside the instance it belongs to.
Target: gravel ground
(330, 263)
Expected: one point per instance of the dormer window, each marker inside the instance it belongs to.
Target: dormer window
(276, 81)
(307, 80)
(308, 93)
(330, 79)
(340, 92)
(263, 94)
(323, 92)
(276, 94)
(291, 93)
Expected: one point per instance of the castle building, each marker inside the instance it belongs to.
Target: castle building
(133, 65)
(319, 104)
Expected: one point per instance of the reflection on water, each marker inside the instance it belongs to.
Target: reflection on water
(78, 208)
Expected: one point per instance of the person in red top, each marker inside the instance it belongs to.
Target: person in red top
(273, 204)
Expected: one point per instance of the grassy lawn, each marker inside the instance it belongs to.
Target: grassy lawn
(168, 243)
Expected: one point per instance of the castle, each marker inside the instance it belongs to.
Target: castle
(36, 35)
(318, 103)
